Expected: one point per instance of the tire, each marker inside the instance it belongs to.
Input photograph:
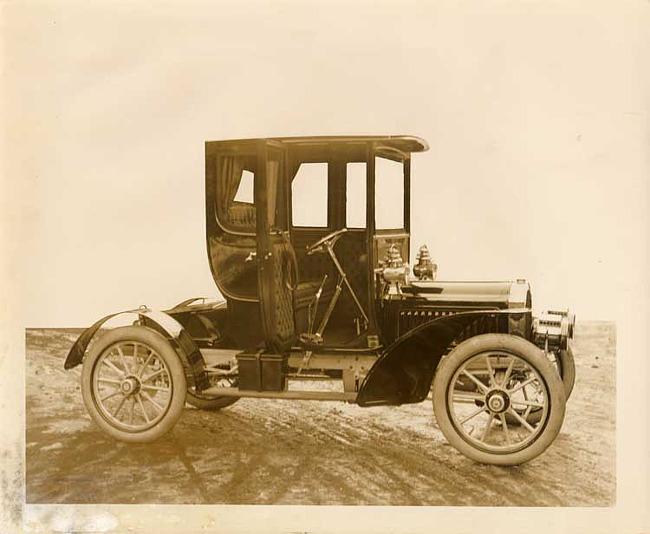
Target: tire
(133, 384)
(209, 403)
(459, 412)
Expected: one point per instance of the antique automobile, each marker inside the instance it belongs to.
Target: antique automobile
(308, 241)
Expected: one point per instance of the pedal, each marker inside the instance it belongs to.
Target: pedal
(360, 324)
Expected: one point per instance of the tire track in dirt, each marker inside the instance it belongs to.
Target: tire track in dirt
(302, 452)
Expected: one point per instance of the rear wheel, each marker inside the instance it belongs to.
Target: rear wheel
(133, 384)
(512, 377)
(207, 402)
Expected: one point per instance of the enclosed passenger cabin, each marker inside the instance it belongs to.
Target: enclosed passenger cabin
(267, 200)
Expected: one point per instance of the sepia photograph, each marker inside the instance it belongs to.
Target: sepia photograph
(325, 267)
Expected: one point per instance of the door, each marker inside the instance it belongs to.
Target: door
(277, 271)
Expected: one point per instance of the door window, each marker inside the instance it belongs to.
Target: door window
(309, 195)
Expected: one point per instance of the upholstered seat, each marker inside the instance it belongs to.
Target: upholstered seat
(242, 215)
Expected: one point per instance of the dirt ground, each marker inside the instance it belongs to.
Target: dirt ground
(306, 452)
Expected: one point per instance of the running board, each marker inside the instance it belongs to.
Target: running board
(294, 395)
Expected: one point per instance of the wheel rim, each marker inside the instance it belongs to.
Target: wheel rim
(132, 386)
(502, 384)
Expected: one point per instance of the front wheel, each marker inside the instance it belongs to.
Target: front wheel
(133, 384)
(512, 378)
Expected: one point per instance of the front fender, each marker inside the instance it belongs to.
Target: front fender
(403, 373)
(165, 324)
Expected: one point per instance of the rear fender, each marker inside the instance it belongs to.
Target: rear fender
(403, 373)
(163, 323)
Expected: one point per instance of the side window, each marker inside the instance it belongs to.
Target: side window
(234, 193)
(245, 190)
(355, 206)
(389, 194)
(309, 195)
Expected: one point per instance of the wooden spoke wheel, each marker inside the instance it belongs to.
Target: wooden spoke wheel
(512, 378)
(133, 384)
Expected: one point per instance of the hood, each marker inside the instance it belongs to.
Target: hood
(503, 294)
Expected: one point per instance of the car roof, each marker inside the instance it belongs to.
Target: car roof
(404, 143)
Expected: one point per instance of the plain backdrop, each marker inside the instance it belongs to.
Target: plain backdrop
(537, 117)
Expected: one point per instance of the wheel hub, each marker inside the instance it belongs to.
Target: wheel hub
(497, 401)
(130, 385)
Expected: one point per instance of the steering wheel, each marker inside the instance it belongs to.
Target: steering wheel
(330, 239)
